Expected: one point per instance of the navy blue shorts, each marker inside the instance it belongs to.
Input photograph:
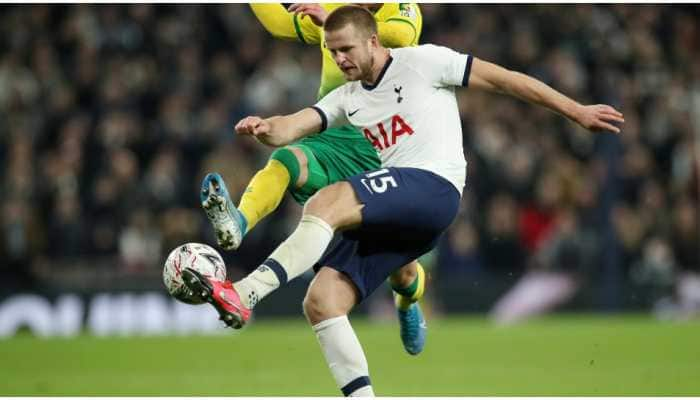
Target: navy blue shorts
(405, 212)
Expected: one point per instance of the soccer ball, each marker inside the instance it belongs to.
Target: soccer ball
(200, 257)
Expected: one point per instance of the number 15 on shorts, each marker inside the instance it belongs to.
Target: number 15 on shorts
(378, 181)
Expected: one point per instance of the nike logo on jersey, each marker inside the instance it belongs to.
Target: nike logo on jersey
(353, 113)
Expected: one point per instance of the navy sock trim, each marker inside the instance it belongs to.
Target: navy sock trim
(277, 269)
(356, 383)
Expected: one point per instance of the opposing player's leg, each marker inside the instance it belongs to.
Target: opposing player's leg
(408, 284)
(329, 299)
(288, 167)
(302, 168)
(228, 222)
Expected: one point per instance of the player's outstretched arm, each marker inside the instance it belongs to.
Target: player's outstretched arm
(493, 77)
(289, 25)
(276, 20)
(281, 130)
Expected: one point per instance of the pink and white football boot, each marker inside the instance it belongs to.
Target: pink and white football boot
(219, 294)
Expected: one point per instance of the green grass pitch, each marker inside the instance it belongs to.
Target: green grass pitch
(563, 355)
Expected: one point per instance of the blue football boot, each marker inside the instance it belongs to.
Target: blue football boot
(227, 221)
(412, 325)
(413, 329)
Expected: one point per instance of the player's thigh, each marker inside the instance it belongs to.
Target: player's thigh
(407, 203)
(337, 205)
(330, 294)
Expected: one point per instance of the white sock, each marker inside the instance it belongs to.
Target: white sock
(302, 249)
(344, 356)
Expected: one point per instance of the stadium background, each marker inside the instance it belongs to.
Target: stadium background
(111, 115)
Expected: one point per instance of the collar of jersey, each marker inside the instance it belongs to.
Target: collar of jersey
(381, 75)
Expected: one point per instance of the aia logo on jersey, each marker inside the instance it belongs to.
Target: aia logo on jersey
(381, 139)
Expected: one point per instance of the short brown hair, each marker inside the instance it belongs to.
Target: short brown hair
(359, 17)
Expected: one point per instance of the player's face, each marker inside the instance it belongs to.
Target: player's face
(351, 51)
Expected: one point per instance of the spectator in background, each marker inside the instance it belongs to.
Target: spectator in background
(561, 236)
(459, 255)
(502, 249)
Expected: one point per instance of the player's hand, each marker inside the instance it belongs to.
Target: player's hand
(252, 126)
(599, 117)
(314, 10)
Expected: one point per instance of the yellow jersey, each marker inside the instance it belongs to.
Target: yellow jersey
(398, 24)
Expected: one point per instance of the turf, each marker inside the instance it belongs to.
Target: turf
(464, 357)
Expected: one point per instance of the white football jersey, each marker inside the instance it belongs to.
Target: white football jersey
(410, 115)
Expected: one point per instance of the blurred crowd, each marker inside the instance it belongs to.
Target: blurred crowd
(112, 114)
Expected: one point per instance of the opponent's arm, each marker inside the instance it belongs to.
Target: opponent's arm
(401, 27)
(292, 24)
(495, 78)
(275, 19)
(281, 130)
(396, 32)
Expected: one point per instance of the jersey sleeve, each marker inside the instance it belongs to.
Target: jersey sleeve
(400, 27)
(275, 19)
(443, 65)
(307, 31)
(331, 108)
(285, 25)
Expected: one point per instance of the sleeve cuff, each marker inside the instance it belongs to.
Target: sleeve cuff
(324, 119)
(297, 29)
(467, 71)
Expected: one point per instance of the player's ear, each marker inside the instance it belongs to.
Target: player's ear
(374, 40)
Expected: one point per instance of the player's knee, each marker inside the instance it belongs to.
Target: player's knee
(288, 157)
(294, 160)
(405, 275)
(317, 308)
(331, 294)
(299, 155)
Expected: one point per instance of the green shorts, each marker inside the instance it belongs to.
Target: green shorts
(333, 156)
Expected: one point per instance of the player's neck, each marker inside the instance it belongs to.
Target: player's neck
(381, 57)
